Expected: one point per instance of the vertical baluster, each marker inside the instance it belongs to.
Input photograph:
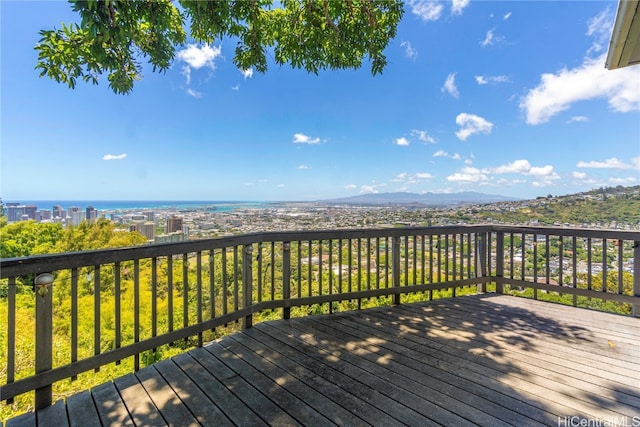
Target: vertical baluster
(430, 262)
(499, 261)
(225, 282)
(636, 276)
(170, 292)
(523, 256)
(438, 245)
(368, 263)
(377, 262)
(589, 282)
(469, 251)
(511, 245)
(136, 310)
(330, 274)
(154, 297)
(236, 274)
(96, 312)
(185, 291)
(260, 272)
(273, 271)
(310, 269)
(574, 265)
(415, 261)
(299, 270)
(198, 293)
(604, 265)
(286, 278)
(117, 299)
(535, 264)
(547, 257)
(212, 283)
(247, 283)
(396, 268)
(446, 257)
(340, 266)
(320, 284)
(11, 333)
(349, 263)
(454, 258)
(74, 317)
(561, 260)
(386, 262)
(422, 259)
(620, 262)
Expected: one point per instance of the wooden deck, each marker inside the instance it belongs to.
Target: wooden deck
(481, 360)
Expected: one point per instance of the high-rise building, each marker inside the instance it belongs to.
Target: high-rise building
(75, 214)
(58, 212)
(43, 215)
(30, 211)
(150, 215)
(149, 230)
(13, 212)
(174, 223)
(91, 213)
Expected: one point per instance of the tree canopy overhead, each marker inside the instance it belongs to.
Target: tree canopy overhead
(114, 37)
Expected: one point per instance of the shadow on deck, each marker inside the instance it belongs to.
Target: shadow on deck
(478, 360)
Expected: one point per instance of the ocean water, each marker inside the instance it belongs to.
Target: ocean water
(134, 205)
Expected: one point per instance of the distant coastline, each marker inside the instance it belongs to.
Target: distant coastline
(133, 205)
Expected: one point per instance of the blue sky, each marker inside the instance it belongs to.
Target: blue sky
(505, 97)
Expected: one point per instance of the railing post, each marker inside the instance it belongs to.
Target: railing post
(636, 276)
(44, 337)
(247, 283)
(499, 261)
(395, 269)
(286, 279)
(481, 259)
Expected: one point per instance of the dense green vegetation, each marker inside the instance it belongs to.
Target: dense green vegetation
(604, 206)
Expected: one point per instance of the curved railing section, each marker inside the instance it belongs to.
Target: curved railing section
(109, 305)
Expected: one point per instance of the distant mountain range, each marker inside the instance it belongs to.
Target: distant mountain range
(415, 199)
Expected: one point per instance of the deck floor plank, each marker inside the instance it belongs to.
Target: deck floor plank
(139, 404)
(486, 360)
(165, 399)
(82, 411)
(196, 401)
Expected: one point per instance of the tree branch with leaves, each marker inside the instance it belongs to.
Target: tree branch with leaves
(114, 37)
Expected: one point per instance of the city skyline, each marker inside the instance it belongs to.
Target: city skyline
(496, 97)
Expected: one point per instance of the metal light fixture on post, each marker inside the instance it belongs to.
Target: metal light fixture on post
(42, 283)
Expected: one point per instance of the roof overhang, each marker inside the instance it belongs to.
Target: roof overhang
(624, 47)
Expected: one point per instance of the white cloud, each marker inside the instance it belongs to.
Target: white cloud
(426, 10)
(194, 93)
(114, 156)
(457, 6)
(303, 167)
(198, 57)
(523, 167)
(301, 138)
(422, 136)
(490, 38)
(368, 189)
(483, 80)
(578, 119)
(579, 175)
(440, 153)
(247, 73)
(450, 86)
(635, 163)
(402, 141)
(468, 174)
(236, 87)
(424, 175)
(599, 27)
(623, 181)
(350, 186)
(472, 124)
(507, 16)
(556, 92)
(409, 50)
(612, 163)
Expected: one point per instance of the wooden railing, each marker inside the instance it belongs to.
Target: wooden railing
(146, 297)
